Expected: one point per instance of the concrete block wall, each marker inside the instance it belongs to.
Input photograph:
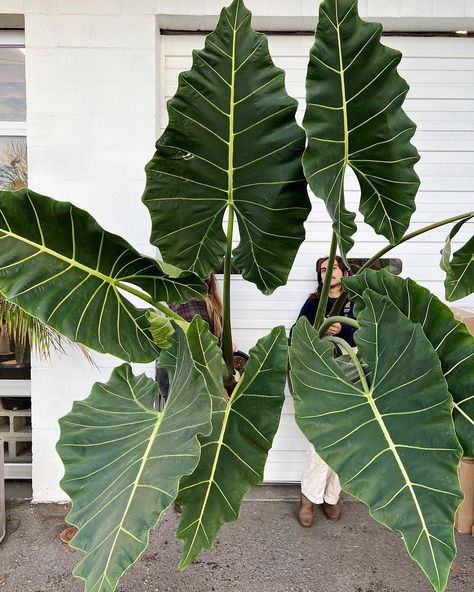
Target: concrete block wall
(92, 86)
(15, 429)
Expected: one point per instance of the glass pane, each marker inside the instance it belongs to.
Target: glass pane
(13, 163)
(390, 264)
(12, 84)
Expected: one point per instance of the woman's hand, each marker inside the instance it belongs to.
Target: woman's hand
(334, 329)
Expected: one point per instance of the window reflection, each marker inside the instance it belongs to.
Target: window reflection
(13, 163)
(12, 84)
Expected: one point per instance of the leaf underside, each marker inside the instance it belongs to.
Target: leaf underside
(123, 461)
(354, 118)
(459, 268)
(451, 340)
(233, 456)
(61, 267)
(393, 446)
(232, 143)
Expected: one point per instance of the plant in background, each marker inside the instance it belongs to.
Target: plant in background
(13, 165)
(29, 333)
(393, 420)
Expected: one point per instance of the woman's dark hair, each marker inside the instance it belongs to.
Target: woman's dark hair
(314, 296)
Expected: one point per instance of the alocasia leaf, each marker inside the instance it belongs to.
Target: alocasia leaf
(123, 460)
(61, 267)
(459, 269)
(451, 340)
(233, 456)
(391, 440)
(162, 327)
(354, 118)
(232, 143)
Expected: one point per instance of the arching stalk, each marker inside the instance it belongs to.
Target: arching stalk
(353, 356)
(327, 284)
(331, 320)
(336, 309)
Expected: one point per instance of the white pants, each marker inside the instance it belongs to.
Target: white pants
(319, 483)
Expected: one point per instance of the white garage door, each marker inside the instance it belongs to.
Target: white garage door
(440, 71)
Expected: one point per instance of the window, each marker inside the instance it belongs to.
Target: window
(13, 155)
(14, 356)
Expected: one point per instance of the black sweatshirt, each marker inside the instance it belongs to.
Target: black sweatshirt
(309, 311)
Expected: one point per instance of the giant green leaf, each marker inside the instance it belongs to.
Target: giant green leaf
(61, 267)
(459, 269)
(354, 118)
(451, 340)
(232, 143)
(124, 460)
(392, 441)
(233, 457)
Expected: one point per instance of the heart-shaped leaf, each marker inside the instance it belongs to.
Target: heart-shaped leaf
(451, 340)
(391, 441)
(124, 460)
(232, 142)
(354, 118)
(60, 266)
(460, 268)
(233, 457)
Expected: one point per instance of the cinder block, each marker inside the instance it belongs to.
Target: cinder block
(131, 31)
(13, 6)
(2, 493)
(43, 6)
(139, 7)
(74, 30)
(90, 6)
(15, 429)
(19, 451)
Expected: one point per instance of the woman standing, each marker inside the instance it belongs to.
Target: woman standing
(319, 483)
(210, 310)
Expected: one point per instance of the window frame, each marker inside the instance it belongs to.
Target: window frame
(12, 38)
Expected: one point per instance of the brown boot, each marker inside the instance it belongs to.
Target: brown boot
(306, 512)
(332, 511)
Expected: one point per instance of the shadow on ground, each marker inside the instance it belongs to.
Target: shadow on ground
(265, 551)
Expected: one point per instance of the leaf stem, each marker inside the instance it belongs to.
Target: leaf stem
(353, 356)
(323, 300)
(340, 301)
(408, 237)
(331, 320)
(227, 348)
(158, 305)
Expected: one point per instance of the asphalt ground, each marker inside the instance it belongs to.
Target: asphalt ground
(266, 550)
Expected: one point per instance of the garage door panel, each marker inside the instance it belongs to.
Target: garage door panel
(440, 72)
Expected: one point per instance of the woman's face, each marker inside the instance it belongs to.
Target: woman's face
(337, 274)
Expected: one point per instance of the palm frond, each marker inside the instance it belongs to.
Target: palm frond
(30, 333)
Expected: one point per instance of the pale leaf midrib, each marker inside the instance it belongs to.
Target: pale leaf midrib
(71, 262)
(135, 487)
(220, 442)
(380, 421)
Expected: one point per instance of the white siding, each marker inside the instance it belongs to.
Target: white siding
(441, 101)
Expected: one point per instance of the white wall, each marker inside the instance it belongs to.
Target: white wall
(91, 89)
(396, 15)
(91, 100)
